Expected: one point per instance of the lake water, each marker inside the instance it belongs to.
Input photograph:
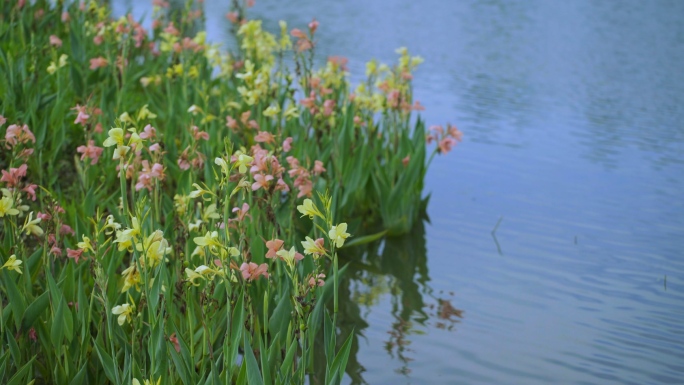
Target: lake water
(573, 115)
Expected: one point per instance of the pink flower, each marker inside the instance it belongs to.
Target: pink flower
(98, 128)
(454, 132)
(74, 254)
(82, 118)
(98, 62)
(66, 229)
(317, 280)
(264, 137)
(161, 4)
(155, 147)
(281, 185)
(148, 132)
(98, 39)
(16, 134)
(296, 32)
(287, 144)
(251, 271)
(54, 250)
(437, 130)
(14, 175)
(197, 134)
(406, 160)
(31, 191)
(232, 16)
(253, 124)
(171, 29)
(54, 40)
(261, 180)
(446, 144)
(148, 175)
(25, 153)
(313, 26)
(231, 123)
(328, 107)
(44, 217)
(65, 17)
(241, 212)
(2, 120)
(91, 151)
(273, 247)
(174, 340)
(318, 168)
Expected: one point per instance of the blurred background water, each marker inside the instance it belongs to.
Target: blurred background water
(573, 115)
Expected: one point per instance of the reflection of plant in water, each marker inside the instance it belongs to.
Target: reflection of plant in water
(398, 267)
(446, 313)
(398, 343)
(368, 290)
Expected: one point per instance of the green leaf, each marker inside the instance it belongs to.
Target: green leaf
(253, 373)
(281, 316)
(13, 348)
(180, 367)
(236, 328)
(15, 297)
(286, 366)
(18, 377)
(108, 364)
(365, 239)
(242, 375)
(34, 310)
(79, 377)
(340, 363)
(57, 328)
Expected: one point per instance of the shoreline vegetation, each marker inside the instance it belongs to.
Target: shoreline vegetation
(172, 213)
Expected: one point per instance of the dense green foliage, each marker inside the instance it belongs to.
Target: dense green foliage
(155, 191)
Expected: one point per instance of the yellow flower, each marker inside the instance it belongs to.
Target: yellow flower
(225, 169)
(210, 213)
(371, 67)
(125, 117)
(125, 237)
(272, 111)
(242, 162)
(111, 226)
(209, 240)
(124, 312)
(6, 207)
(120, 152)
(192, 276)
(52, 68)
(308, 208)
(63, 60)
(31, 226)
(338, 234)
(313, 247)
(116, 137)
(12, 264)
(289, 256)
(145, 113)
(291, 112)
(85, 245)
(131, 278)
(195, 109)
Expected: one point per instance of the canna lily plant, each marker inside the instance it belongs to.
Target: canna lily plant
(144, 259)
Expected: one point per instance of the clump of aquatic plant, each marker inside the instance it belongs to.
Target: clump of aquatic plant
(165, 215)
